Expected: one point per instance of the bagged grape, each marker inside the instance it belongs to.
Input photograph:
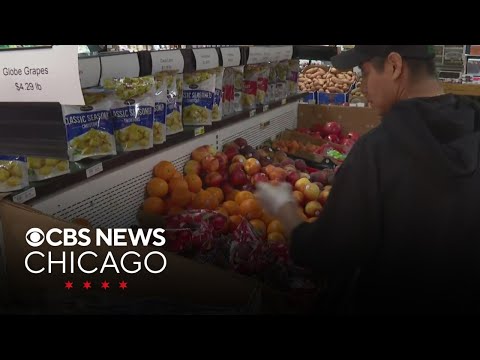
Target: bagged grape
(250, 84)
(89, 128)
(133, 104)
(292, 77)
(281, 70)
(238, 88)
(13, 173)
(45, 168)
(198, 98)
(272, 82)
(262, 84)
(173, 118)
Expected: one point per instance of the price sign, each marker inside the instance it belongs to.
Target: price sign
(94, 170)
(199, 131)
(41, 75)
(167, 61)
(25, 196)
(256, 54)
(231, 56)
(206, 58)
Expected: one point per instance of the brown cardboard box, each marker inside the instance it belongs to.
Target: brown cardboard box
(360, 120)
(184, 281)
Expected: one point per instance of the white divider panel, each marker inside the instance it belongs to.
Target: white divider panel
(112, 199)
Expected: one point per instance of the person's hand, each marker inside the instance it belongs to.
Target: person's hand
(274, 198)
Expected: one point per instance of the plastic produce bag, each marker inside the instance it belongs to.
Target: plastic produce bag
(217, 111)
(198, 98)
(173, 118)
(238, 88)
(262, 85)
(45, 168)
(13, 173)
(281, 70)
(250, 84)
(160, 113)
(89, 128)
(132, 111)
(292, 77)
(272, 82)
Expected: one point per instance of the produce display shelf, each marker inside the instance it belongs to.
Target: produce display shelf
(79, 170)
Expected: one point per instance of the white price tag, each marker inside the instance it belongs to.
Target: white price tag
(231, 56)
(94, 170)
(199, 130)
(255, 55)
(167, 61)
(206, 58)
(89, 71)
(253, 112)
(117, 66)
(265, 108)
(25, 196)
(284, 101)
(267, 54)
(41, 75)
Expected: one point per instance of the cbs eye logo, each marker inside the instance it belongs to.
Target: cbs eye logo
(35, 237)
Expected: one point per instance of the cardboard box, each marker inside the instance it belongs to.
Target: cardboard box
(360, 120)
(183, 284)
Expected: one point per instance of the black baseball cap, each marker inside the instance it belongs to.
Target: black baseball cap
(361, 53)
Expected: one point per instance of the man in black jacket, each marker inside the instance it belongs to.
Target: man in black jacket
(404, 212)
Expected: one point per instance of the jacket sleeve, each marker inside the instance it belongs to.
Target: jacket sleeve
(349, 230)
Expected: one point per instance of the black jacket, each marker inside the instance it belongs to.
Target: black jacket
(404, 213)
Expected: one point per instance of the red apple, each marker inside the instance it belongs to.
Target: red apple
(300, 165)
(286, 162)
(292, 177)
(238, 178)
(222, 160)
(235, 166)
(277, 174)
(199, 153)
(240, 142)
(333, 138)
(332, 127)
(210, 163)
(192, 167)
(213, 179)
(230, 151)
(260, 177)
(290, 168)
(227, 188)
(353, 135)
(252, 166)
(239, 158)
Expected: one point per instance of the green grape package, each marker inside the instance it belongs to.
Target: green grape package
(46, 168)
(132, 111)
(173, 117)
(238, 88)
(281, 70)
(198, 98)
(262, 84)
(13, 173)
(89, 128)
(292, 76)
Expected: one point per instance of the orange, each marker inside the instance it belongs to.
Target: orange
(275, 237)
(222, 211)
(205, 200)
(217, 192)
(260, 227)
(157, 187)
(181, 197)
(231, 195)
(242, 196)
(251, 209)
(154, 205)
(235, 220)
(298, 195)
(164, 170)
(232, 207)
(175, 210)
(194, 182)
(177, 175)
(275, 226)
(266, 218)
(177, 183)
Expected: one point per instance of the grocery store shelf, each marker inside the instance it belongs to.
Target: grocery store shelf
(79, 170)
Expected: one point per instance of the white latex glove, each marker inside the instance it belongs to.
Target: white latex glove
(273, 198)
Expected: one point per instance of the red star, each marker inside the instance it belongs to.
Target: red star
(87, 285)
(123, 285)
(105, 285)
(68, 285)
